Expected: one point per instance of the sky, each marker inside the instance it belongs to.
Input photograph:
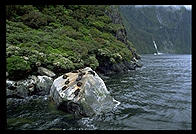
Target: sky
(177, 6)
(188, 6)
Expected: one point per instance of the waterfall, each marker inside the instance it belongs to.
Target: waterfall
(155, 45)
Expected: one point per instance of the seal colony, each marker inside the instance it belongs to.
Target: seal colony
(81, 91)
(74, 79)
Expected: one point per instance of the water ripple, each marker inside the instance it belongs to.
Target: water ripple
(156, 96)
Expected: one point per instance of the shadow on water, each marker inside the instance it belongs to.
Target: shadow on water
(37, 113)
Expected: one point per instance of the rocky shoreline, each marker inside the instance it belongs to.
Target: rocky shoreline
(35, 86)
(40, 84)
(122, 67)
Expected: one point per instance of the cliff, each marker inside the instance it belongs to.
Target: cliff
(169, 27)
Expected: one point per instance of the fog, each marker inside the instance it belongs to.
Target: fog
(189, 7)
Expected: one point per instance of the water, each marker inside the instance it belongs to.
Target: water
(156, 96)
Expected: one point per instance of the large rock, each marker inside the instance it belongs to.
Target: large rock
(43, 85)
(22, 88)
(44, 71)
(33, 85)
(82, 92)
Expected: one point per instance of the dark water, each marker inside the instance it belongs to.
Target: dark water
(156, 96)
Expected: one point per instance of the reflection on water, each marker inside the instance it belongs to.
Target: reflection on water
(156, 96)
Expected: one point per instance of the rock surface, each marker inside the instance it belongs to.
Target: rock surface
(122, 67)
(116, 18)
(43, 85)
(121, 34)
(44, 71)
(33, 85)
(82, 92)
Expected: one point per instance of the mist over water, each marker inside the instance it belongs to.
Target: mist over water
(156, 96)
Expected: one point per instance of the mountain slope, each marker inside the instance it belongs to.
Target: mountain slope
(170, 28)
(62, 38)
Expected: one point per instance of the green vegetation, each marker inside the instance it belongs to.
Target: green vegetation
(61, 38)
(17, 64)
(170, 28)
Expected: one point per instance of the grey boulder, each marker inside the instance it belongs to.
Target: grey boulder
(22, 88)
(82, 92)
(33, 85)
(44, 71)
(43, 85)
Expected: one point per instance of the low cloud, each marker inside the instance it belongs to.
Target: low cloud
(189, 7)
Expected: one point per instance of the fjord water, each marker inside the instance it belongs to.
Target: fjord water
(156, 96)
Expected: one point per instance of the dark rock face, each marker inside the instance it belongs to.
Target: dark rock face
(119, 67)
(121, 34)
(116, 19)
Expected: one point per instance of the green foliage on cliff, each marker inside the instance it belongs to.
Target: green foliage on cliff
(169, 27)
(17, 64)
(61, 38)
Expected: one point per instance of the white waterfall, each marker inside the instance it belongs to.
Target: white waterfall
(155, 45)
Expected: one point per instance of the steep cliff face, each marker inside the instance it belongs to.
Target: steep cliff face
(169, 27)
(121, 33)
(116, 19)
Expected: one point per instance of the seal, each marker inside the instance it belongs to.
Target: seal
(79, 78)
(79, 84)
(91, 72)
(77, 92)
(65, 87)
(65, 76)
(67, 82)
(80, 75)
